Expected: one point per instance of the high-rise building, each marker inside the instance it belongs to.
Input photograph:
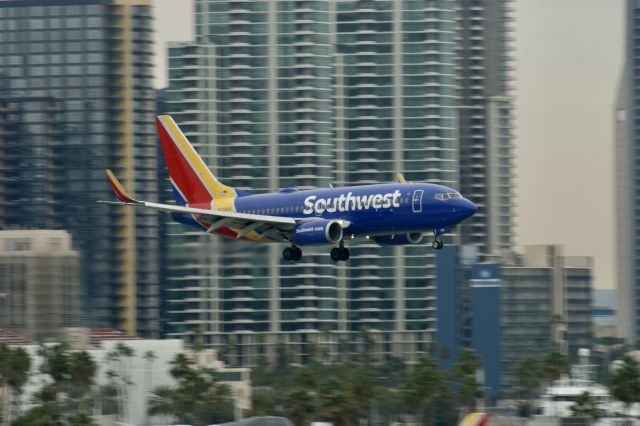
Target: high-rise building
(255, 101)
(77, 98)
(395, 112)
(485, 121)
(627, 172)
(39, 283)
(305, 94)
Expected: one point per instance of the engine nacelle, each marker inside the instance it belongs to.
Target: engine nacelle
(398, 239)
(321, 231)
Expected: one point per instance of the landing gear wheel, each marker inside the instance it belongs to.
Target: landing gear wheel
(437, 244)
(339, 253)
(336, 254)
(292, 253)
(345, 253)
(288, 254)
(297, 255)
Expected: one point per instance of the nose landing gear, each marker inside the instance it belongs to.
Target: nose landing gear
(437, 243)
(292, 253)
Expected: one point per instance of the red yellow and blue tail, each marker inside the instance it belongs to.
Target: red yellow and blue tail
(193, 183)
(475, 419)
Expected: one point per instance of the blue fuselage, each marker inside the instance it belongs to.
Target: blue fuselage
(369, 210)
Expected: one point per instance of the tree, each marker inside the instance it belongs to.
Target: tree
(149, 357)
(624, 383)
(425, 386)
(66, 398)
(362, 389)
(119, 360)
(199, 398)
(15, 365)
(554, 364)
(367, 343)
(463, 374)
(299, 406)
(82, 370)
(335, 403)
(528, 375)
(585, 407)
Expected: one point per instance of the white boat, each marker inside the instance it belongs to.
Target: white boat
(562, 394)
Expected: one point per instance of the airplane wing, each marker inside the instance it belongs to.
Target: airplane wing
(271, 227)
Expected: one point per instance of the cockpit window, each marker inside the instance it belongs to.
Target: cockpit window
(442, 196)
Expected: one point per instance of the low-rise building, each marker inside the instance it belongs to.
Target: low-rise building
(511, 309)
(147, 365)
(39, 283)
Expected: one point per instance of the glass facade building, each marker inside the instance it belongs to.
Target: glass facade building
(627, 173)
(77, 98)
(485, 122)
(306, 94)
(395, 112)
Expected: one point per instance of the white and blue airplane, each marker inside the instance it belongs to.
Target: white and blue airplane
(389, 214)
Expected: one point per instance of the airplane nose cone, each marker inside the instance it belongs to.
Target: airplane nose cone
(463, 209)
(469, 208)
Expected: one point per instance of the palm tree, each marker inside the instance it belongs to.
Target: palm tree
(335, 403)
(554, 363)
(149, 357)
(624, 383)
(82, 370)
(528, 374)
(464, 378)
(120, 360)
(299, 406)
(181, 365)
(425, 386)
(585, 407)
(362, 388)
(55, 363)
(15, 365)
(64, 399)
(199, 398)
(162, 401)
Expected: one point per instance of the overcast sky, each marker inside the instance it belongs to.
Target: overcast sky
(568, 63)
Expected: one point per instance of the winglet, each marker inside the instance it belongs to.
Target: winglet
(121, 193)
(400, 177)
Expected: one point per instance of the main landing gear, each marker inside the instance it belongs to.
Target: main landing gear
(292, 253)
(340, 253)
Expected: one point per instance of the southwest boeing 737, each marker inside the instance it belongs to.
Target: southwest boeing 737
(389, 214)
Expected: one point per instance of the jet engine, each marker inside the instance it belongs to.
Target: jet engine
(321, 231)
(398, 239)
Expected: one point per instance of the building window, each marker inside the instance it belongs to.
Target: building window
(18, 244)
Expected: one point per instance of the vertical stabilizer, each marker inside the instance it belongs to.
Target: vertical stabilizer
(191, 178)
